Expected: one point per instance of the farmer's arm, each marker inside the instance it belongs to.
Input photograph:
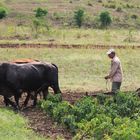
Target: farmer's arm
(113, 69)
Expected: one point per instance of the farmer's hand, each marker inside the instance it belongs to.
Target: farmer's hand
(106, 77)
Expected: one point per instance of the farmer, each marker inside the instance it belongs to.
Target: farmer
(115, 74)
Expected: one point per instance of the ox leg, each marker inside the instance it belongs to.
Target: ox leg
(17, 101)
(45, 93)
(10, 102)
(44, 89)
(6, 101)
(35, 99)
(27, 99)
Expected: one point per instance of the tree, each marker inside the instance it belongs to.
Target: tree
(39, 26)
(105, 19)
(3, 12)
(40, 12)
(39, 22)
(79, 17)
(36, 26)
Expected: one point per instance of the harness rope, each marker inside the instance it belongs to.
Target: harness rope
(107, 85)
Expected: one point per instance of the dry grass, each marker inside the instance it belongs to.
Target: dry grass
(12, 34)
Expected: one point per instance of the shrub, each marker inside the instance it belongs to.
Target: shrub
(84, 109)
(40, 12)
(36, 26)
(62, 108)
(105, 19)
(100, 118)
(95, 129)
(79, 17)
(130, 129)
(70, 123)
(54, 98)
(3, 12)
(127, 105)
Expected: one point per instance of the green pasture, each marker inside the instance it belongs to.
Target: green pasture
(82, 69)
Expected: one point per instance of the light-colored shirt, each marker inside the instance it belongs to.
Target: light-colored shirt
(116, 70)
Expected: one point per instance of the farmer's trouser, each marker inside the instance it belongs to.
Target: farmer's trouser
(116, 87)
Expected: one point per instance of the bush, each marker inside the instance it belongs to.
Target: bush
(95, 129)
(62, 109)
(40, 12)
(3, 12)
(70, 123)
(105, 19)
(79, 17)
(130, 130)
(127, 105)
(98, 118)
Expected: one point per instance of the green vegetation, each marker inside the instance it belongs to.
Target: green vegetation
(14, 127)
(79, 17)
(40, 12)
(37, 23)
(3, 12)
(59, 20)
(101, 118)
(23, 35)
(119, 9)
(82, 69)
(79, 69)
(105, 19)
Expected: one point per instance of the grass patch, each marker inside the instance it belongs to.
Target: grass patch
(14, 127)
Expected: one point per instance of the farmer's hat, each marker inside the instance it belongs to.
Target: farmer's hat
(110, 51)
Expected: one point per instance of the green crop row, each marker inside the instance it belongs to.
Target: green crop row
(101, 118)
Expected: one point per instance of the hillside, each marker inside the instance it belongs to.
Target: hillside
(125, 13)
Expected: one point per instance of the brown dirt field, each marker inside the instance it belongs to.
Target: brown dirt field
(44, 125)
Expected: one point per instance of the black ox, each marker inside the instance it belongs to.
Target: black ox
(19, 78)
